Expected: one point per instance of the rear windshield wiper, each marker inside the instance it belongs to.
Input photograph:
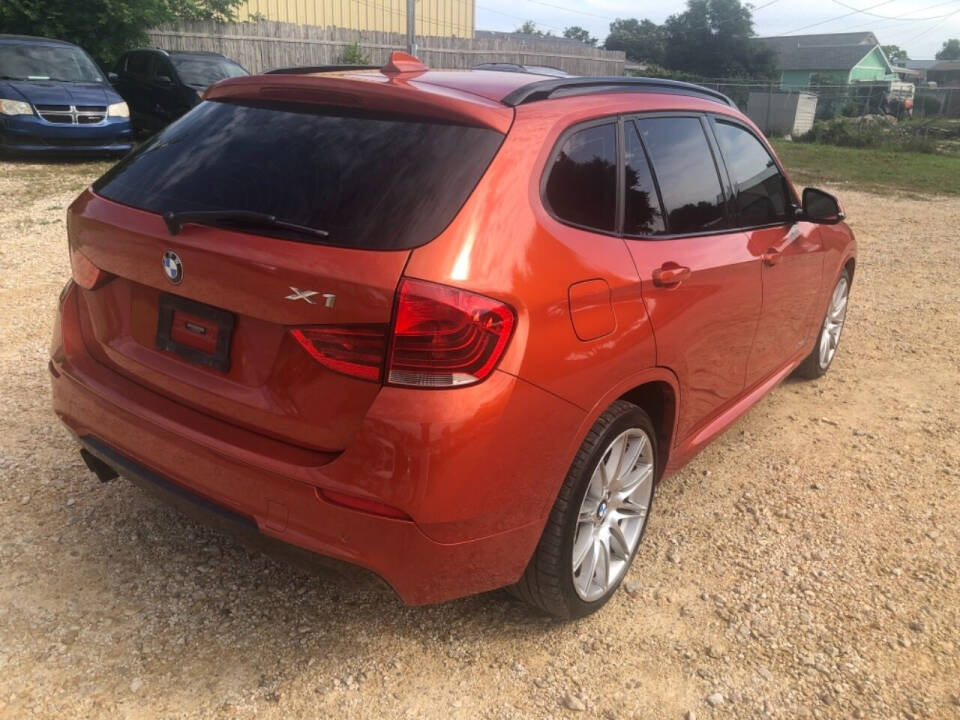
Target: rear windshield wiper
(176, 220)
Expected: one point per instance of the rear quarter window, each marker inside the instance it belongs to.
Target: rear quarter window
(581, 188)
(372, 181)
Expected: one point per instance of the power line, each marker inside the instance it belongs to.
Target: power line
(839, 17)
(891, 17)
(902, 18)
(931, 29)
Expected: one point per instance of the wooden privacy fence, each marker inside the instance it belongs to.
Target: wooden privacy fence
(265, 44)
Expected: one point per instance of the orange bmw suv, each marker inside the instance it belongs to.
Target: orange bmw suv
(448, 326)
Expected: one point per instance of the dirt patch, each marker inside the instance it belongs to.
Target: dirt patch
(804, 565)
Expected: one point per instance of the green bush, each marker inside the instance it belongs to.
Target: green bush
(354, 55)
(844, 133)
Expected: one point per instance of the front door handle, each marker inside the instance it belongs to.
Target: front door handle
(771, 257)
(669, 275)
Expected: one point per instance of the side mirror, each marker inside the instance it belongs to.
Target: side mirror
(112, 77)
(821, 207)
(164, 80)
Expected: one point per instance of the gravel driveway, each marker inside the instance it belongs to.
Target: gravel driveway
(806, 564)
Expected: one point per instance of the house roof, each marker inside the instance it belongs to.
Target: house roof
(919, 64)
(945, 65)
(836, 51)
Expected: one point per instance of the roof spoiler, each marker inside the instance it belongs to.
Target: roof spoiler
(394, 90)
(399, 62)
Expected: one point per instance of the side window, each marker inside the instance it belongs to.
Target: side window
(582, 186)
(137, 63)
(761, 189)
(689, 184)
(163, 67)
(642, 212)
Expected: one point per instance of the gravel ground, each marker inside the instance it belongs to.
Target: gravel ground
(805, 565)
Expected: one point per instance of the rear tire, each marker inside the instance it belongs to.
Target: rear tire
(824, 351)
(600, 512)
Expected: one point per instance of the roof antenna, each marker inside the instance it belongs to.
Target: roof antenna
(401, 62)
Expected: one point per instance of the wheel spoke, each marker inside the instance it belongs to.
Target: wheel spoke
(628, 509)
(611, 466)
(618, 542)
(638, 477)
(603, 565)
(581, 546)
(589, 568)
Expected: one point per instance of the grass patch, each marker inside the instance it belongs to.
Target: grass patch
(870, 169)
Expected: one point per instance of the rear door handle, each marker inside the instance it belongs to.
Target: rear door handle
(771, 257)
(669, 275)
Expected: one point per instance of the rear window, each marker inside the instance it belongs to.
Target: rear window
(372, 181)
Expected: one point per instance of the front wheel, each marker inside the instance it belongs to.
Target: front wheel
(818, 362)
(598, 519)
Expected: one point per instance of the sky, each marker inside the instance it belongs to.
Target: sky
(918, 26)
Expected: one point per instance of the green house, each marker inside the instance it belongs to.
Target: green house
(834, 59)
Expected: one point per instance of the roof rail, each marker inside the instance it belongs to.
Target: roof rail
(307, 69)
(567, 87)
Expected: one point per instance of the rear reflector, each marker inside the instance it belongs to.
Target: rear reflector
(445, 337)
(85, 273)
(358, 503)
(442, 337)
(356, 350)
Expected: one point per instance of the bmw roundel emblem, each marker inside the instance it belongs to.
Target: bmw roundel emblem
(172, 267)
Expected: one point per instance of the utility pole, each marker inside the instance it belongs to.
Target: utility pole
(412, 27)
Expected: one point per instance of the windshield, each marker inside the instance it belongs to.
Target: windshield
(47, 62)
(204, 71)
(370, 180)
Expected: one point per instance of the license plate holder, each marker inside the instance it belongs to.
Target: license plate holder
(179, 318)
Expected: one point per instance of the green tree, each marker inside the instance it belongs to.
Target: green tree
(713, 38)
(642, 41)
(530, 28)
(578, 33)
(104, 28)
(895, 54)
(950, 50)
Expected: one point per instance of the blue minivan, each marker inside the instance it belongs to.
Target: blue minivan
(54, 99)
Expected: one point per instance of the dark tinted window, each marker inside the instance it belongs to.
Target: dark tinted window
(204, 70)
(371, 181)
(761, 189)
(642, 213)
(138, 63)
(582, 187)
(688, 179)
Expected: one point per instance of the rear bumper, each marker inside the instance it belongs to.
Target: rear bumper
(473, 529)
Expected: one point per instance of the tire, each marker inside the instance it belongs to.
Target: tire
(551, 582)
(816, 364)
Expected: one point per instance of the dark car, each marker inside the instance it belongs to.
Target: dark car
(161, 86)
(54, 98)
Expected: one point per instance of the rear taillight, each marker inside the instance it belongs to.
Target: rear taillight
(85, 273)
(441, 337)
(352, 350)
(445, 337)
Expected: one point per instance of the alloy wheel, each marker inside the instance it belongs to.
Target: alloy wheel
(612, 514)
(833, 323)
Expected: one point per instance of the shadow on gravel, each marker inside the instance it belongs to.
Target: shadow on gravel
(180, 583)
